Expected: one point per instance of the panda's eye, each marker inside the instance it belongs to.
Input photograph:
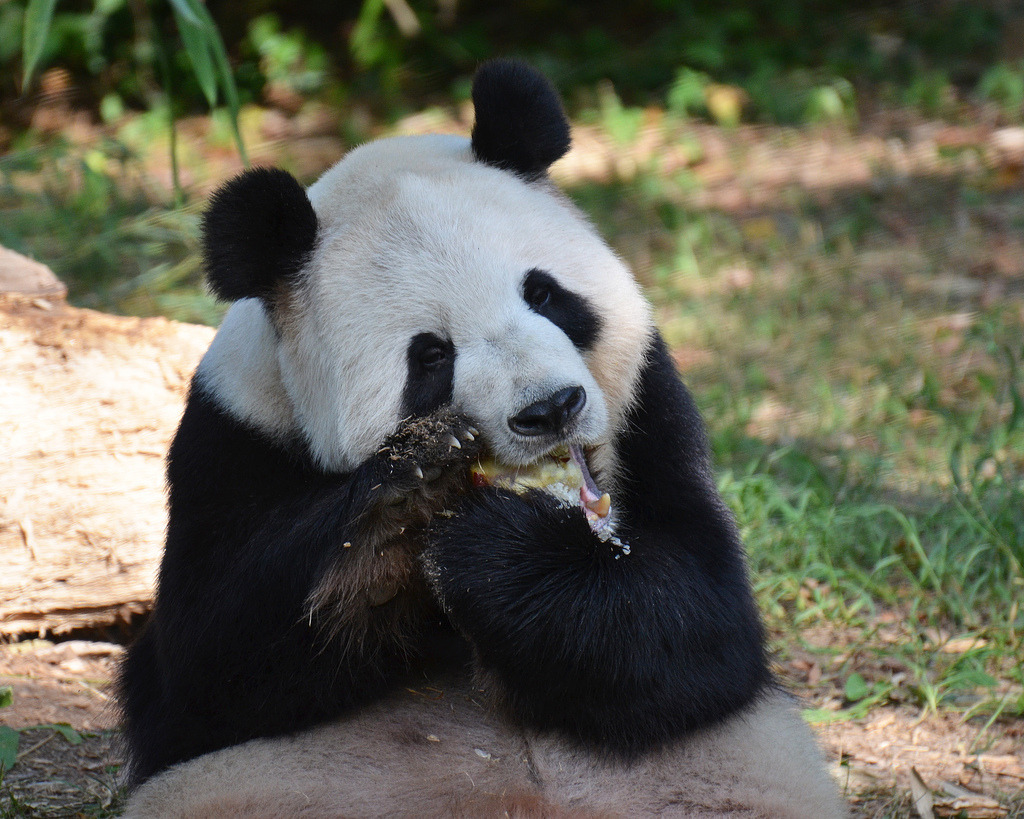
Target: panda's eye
(431, 372)
(537, 294)
(433, 357)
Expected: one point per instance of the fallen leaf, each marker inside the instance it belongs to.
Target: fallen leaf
(961, 802)
(977, 807)
(921, 795)
(960, 645)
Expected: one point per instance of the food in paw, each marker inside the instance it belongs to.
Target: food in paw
(562, 473)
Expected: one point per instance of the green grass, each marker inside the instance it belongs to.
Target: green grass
(867, 419)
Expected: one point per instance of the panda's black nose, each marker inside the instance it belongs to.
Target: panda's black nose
(550, 415)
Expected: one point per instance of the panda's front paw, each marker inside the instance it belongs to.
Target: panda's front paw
(499, 549)
(427, 459)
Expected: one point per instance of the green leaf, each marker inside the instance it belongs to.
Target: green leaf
(183, 9)
(6, 696)
(9, 739)
(197, 39)
(225, 75)
(66, 731)
(856, 688)
(364, 41)
(38, 19)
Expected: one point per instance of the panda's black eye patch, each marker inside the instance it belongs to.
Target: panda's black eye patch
(568, 311)
(430, 361)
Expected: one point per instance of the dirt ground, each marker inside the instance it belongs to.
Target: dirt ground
(68, 684)
(874, 760)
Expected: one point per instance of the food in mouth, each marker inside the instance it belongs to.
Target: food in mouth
(562, 473)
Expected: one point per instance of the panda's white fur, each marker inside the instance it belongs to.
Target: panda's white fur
(414, 238)
(634, 685)
(436, 752)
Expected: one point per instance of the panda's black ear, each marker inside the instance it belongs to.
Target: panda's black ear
(258, 233)
(520, 125)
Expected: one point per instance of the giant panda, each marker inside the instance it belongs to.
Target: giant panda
(349, 622)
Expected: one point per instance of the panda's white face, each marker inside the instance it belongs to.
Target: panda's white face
(435, 280)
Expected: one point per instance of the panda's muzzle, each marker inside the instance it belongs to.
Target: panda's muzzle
(551, 415)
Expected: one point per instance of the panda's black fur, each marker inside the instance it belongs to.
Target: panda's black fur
(621, 652)
(258, 233)
(259, 627)
(520, 125)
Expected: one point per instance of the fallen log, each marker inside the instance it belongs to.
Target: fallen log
(88, 404)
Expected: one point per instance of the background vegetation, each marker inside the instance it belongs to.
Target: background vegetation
(826, 208)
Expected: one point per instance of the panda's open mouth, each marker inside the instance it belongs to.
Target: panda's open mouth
(562, 473)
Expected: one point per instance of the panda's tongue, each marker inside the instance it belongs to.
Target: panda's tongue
(596, 504)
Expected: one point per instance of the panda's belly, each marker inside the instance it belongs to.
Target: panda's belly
(436, 750)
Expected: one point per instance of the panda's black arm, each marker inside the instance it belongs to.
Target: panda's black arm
(622, 652)
(230, 652)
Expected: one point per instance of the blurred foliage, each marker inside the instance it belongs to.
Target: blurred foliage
(1003, 84)
(113, 47)
(88, 211)
(793, 60)
(288, 58)
(46, 36)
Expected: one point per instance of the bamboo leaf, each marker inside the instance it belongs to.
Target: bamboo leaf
(183, 9)
(225, 75)
(197, 39)
(38, 19)
(164, 62)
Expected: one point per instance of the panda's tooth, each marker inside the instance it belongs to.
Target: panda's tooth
(418, 473)
(599, 506)
(454, 442)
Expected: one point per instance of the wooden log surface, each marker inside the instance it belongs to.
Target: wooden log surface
(88, 404)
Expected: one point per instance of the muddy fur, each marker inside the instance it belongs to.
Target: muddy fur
(434, 750)
(422, 471)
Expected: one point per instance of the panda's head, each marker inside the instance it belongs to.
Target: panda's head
(422, 272)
